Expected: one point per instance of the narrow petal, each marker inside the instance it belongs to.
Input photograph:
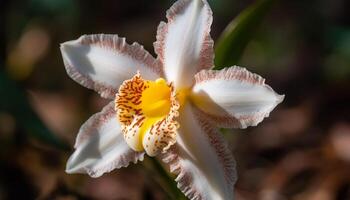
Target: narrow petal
(184, 45)
(102, 62)
(204, 165)
(100, 146)
(234, 97)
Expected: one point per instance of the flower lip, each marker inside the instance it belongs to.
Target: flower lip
(147, 111)
(155, 100)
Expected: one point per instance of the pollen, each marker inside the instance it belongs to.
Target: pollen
(146, 111)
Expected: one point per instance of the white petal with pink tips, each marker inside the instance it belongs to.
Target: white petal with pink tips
(102, 62)
(184, 45)
(234, 97)
(204, 165)
(100, 146)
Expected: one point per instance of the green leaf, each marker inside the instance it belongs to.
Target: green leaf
(164, 179)
(14, 101)
(232, 42)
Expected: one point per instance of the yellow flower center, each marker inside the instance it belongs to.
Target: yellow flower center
(182, 95)
(155, 100)
(147, 111)
(155, 104)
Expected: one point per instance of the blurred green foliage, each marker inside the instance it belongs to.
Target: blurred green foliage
(13, 100)
(337, 64)
(236, 36)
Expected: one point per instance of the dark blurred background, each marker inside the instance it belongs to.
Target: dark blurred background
(302, 48)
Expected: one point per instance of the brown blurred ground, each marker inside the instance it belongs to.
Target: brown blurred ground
(302, 152)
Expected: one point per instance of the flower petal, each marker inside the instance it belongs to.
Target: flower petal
(204, 165)
(234, 97)
(184, 45)
(100, 146)
(102, 62)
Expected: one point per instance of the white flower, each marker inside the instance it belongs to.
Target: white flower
(169, 106)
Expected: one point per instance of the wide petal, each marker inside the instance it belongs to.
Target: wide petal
(184, 45)
(102, 62)
(100, 146)
(203, 163)
(234, 97)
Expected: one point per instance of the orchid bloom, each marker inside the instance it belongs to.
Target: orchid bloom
(170, 106)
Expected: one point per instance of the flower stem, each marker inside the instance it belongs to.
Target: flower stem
(164, 179)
